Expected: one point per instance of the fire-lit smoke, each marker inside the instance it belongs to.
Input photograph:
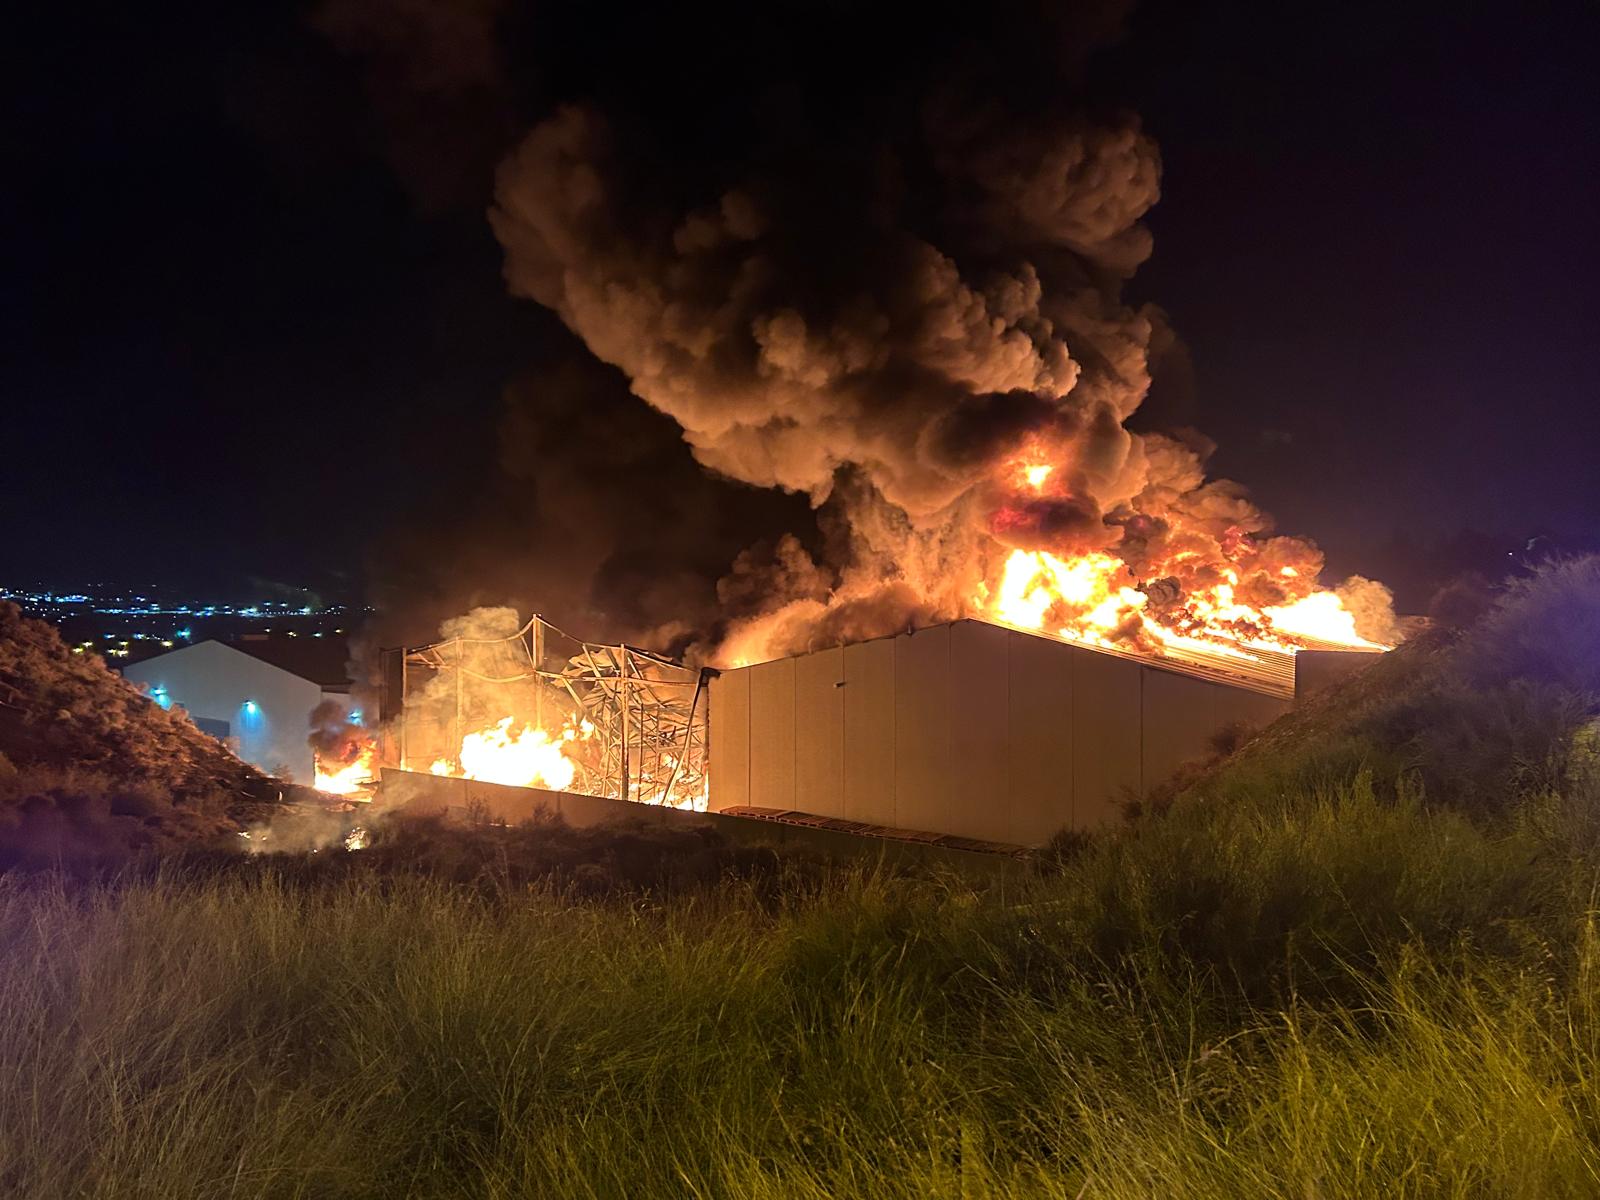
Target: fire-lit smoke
(872, 256)
(344, 752)
(918, 324)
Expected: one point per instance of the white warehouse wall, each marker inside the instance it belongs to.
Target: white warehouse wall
(965, 728)
(216, 682)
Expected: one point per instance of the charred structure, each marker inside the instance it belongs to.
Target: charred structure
(537, 707)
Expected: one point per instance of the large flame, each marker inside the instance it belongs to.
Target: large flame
(1096, 598)
(519, 754)
(1093, 598)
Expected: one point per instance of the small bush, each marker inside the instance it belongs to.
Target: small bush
(1544, 628)
(88, 821)
(1284, 894)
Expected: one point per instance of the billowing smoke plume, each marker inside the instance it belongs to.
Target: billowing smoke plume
(871, 256)
(894, 303)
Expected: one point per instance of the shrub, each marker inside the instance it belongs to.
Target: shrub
(1285, 893)
(88, 821)
(1544, 628)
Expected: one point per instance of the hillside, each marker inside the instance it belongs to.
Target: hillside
(90, 768)
(1475, 715)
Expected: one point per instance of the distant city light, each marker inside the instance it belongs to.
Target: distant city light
(185, 633)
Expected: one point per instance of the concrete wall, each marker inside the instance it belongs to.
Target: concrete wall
(217, 682)
(966, 728)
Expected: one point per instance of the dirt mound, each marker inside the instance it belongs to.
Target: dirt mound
(90, 768)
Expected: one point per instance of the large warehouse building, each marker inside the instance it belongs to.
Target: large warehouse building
(962, 732)
(969, 729)
(257, 696)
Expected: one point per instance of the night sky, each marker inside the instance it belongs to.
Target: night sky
(250, 331)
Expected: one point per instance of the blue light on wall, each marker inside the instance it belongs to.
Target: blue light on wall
(355, 716)
(251, 708)
(159, 695)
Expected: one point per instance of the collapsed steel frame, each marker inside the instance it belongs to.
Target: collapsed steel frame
(644, 715)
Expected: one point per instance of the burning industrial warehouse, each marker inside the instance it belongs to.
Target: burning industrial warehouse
(967, 729)
(897, 290)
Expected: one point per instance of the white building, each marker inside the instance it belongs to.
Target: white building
(257, 695)
(970, 730)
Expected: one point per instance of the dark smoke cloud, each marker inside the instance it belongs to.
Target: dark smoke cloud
(435, 74)
(897, 265)
(790, 340)
(863, 256)
(593, 514)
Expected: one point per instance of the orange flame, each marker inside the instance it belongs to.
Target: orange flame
(1092, 599)
(525, 756)
(1095, 598)
(353, 779)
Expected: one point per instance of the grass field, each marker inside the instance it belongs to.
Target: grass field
(1326, 996)
(1359, 958)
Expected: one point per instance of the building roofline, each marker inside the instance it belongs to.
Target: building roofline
(1270, 673)
(324, 685)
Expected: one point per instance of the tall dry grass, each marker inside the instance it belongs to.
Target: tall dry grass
(1329, 997)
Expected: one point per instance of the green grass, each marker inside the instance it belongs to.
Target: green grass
(1322, 996)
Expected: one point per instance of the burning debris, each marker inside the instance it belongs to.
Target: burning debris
(345, 752)
(529, 706)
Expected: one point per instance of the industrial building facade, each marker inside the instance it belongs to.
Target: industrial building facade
(966, 728)
(260, 708)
